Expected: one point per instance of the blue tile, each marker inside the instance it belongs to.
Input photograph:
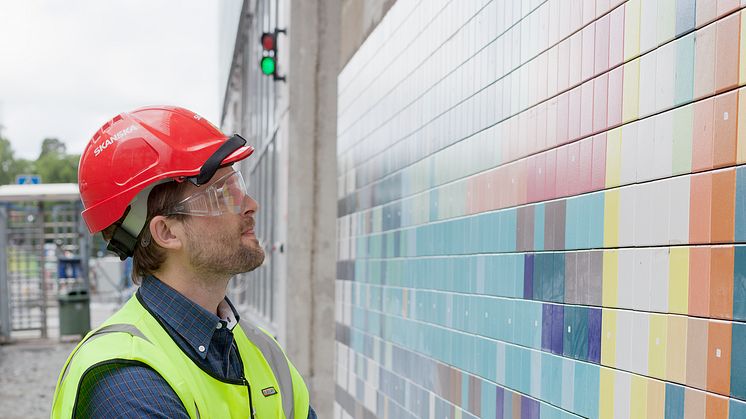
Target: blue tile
(685, 16)
(736, 409)
(738, 363)
(739, 283)
(539, 227)
(558, 317)
(529, 408)
(528, 276)
(551, 378)
(674, 401)
(546, 327)
(594, 335)
(488, 400)
(740, 221)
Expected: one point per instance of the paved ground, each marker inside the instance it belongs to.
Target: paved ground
(30, 366)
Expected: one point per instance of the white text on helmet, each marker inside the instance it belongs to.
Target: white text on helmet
(118, 136)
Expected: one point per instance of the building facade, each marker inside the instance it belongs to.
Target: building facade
(291, 123)
(541, 209)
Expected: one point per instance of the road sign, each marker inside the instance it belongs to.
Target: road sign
(28, 179)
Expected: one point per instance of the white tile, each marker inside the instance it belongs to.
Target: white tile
(678, 209)
(639, 342)
(648, 68)
(659, 280)
(643, 221)
(641, 283)
(665, 76)
(623, 339)
(626, 278)
(622, 392)
(648, 25)
(628, 170)
(645, 149)
(659, 198)
(663, 148)
(627, 209)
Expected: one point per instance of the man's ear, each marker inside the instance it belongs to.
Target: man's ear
(167, 232)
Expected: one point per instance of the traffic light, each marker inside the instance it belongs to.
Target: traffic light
(268, 63)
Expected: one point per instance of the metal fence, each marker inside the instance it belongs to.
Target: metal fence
(33, 235)
(23, 279)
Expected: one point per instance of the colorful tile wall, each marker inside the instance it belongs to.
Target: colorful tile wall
(541, 211)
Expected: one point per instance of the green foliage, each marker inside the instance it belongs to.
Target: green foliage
(54, 165)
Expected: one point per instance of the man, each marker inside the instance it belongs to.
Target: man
(159, 183)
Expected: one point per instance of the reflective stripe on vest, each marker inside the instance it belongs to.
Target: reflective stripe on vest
(112, 328)
(278, 362)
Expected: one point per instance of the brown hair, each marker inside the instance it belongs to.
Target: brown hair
(148, 255)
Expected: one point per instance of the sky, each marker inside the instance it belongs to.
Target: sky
(68, 66)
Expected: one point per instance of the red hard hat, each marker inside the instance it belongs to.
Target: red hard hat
(143, 147)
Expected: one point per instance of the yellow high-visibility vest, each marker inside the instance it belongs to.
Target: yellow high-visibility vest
(272, 385)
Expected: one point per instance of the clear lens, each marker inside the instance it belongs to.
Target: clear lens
(226, 195)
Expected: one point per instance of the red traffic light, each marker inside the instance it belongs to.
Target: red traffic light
(268, 41)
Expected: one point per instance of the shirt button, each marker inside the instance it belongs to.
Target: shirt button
(201, 348)
(219, 326)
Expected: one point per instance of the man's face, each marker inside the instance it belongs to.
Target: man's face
(224, 244)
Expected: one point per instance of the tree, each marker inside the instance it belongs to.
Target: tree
(54, 165)
(52, 146)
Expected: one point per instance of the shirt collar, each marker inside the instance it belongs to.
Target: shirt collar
(190, 320)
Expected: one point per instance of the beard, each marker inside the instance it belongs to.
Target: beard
(223, 253)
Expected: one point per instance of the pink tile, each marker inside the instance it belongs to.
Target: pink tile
(586, 108)
(589, 54)
(614, 98)
(563, 118)
(725, 6)
(531, 193)
(551, 123)
(573, 168)
(574, 106)
(598, 177)
(563, 65)
(576, 54)
(616, 37)
(550, 188)
(585, 163)
(541, 127)
(600, 92)
(541, 175)
(726, 45)
(602, 44)
(521, 175)
(562, 178)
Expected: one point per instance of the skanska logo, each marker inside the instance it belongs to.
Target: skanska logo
(118, 136)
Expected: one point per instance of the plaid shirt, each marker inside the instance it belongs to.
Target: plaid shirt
(124, 391)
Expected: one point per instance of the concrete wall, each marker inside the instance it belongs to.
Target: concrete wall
(541, 211)
(301, 136)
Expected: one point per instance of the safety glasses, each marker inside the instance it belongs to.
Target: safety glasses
(225, 195)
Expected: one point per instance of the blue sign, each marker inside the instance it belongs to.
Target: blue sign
(28, 179)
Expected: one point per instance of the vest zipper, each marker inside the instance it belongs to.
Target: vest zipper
(252, 412)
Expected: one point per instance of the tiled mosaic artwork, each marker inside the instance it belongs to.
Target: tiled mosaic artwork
(542, 210)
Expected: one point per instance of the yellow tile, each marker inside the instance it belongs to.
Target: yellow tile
(742, 52)
(678, 280)
(666, 25)
(676, 351)
(613, 157)
(631, 29)
(608, 337)
(610, 291)
(611, 218)
(631, 91)
(606, 393)
(741, 153)
(657, 344)
(639, 398)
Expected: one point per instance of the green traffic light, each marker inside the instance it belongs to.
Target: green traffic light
(268, 65)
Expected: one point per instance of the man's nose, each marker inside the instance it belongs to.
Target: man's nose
(250, 205)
